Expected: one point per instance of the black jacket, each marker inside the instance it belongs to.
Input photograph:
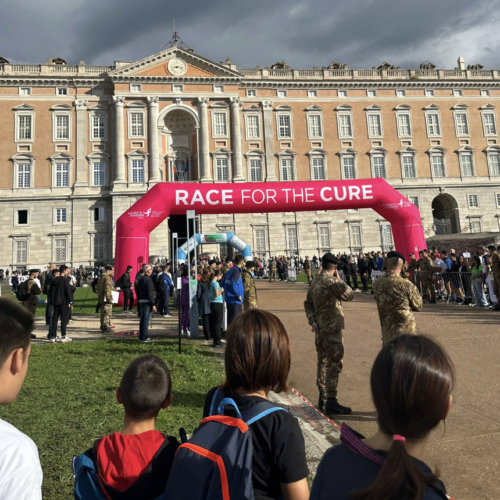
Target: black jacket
(46, 283)
(363, 266)
(145, 289)
(60, 291)
(125, 281)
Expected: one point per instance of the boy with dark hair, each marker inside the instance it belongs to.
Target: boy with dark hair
(19, 462)
(60, 296)
(136, 462)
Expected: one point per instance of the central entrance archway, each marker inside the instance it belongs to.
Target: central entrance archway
(445, 214)
(164, 199)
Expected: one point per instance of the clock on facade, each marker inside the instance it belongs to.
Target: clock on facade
(177, 66)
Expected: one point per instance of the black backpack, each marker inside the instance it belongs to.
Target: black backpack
(160, 284)
(22, 292)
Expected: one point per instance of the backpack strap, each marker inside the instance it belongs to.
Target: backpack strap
(259, 411)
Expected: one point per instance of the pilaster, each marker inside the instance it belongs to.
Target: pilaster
(81, 143)
(236, 134)
(119, 173)
(269, 141)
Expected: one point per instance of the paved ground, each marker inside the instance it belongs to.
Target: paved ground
(467, 449)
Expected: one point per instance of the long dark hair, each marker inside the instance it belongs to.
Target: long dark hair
(411, 382)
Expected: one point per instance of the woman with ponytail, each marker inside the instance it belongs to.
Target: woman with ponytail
(411, 382)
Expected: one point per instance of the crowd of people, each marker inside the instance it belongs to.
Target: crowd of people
(262, 450)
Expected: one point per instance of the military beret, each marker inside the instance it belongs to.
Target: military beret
(329, 258)
(211, 262)
(249, 264)
(396, 254)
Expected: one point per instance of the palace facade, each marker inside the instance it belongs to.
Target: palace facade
(80, 144)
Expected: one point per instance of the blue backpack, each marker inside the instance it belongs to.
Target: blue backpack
(216, 463)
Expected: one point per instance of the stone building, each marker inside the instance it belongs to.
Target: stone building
(80, 144)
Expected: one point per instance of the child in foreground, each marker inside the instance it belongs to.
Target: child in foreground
(21, 474)
(411, 382)
(134, 463)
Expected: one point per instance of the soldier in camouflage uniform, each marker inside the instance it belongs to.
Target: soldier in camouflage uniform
(414, 267)
(396, 298)
(104, 289)
(34, 290)
(426, 274)
(323, 308)
(272, 270)
(249, 291)
(307, 269)
(495, 271)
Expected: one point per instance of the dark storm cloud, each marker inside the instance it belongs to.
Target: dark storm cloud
(361, 33)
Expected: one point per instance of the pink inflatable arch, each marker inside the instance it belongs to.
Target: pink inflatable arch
(164, 199)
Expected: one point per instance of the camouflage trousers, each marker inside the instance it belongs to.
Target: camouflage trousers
(272, 275)
(428, 288)
(330, 355)
(106, 311)
(309, 277)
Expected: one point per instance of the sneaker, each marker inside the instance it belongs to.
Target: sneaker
(216, 345)
(207, 342)
(223, 341)
(124, 311)
(65, 339)
(167, 315)
(52, 340)
(71, 321)
(146, 341)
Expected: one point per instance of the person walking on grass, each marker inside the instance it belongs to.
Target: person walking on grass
(233, 289)
(60, 297)
(146, 298)
(105, 297)
(125, 285)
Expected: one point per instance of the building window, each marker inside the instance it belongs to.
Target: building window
(348, 168)
(342, 93)
(433, 125)
(457, 93)
(21, 251)
(98, 123)
(475, 225)
(291, 238)
(379, 166)
(437, 162)
(485, 93)
(386, 237)
(489, 124)
(62, 127)
(220, 124)
(138, 171)
(135, 87)
(62, 174)
(60, 216)
(284, 126)
(429, 93)
(318, 169)
(414, 200)
(498, 199)
(408, 166)
(286, 166)
(22, 218)
(62, 91)
(24, 91)
(281, 93)
(260, 241)
(371, 93)
(60, 253)
(473, 201)
(256, 170)
(345, 125)
(219, 89)
(24, 127)
(221, 169)
(251, 93)
(324, 237)
(98, 214)
(176, 87)
(312, 93)
(494, 164)
(466, 165)
(374, 125)
(23, 175)
(314, 126)
(355, 236)
(98, 174)
(99, 247)
(137, 124)
(461, 125)
(404, 125)
(253, 126)
(400, 93)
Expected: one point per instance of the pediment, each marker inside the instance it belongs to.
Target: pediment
(465, 149)
(343, 107)
(61, 107)
(403, 107)
(24, 107)
(459, 106)
(253, 107)
(221, 151)
(137, 152)
(407, 150)
(156, 65)
(494, 148)
(136, 104)
(347, 152)
(317, 152)
(286, 152)
(60, 157)
(436, 149)
(283, 107)
(314, 107)
(373, 107)
(487, 106)
(255, 152)
(98, 107)
(431, 107)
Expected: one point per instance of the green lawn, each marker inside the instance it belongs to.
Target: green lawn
(68, 399)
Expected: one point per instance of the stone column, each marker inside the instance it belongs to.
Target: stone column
(119, 177)
(81, 143)
(269, 140)
(204, 153)
(154, 145)
(236, 137)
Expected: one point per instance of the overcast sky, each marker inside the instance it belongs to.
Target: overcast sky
(305, 33)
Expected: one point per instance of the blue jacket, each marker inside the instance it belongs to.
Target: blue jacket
(380, 263)
(167, 280)
(233, 286)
